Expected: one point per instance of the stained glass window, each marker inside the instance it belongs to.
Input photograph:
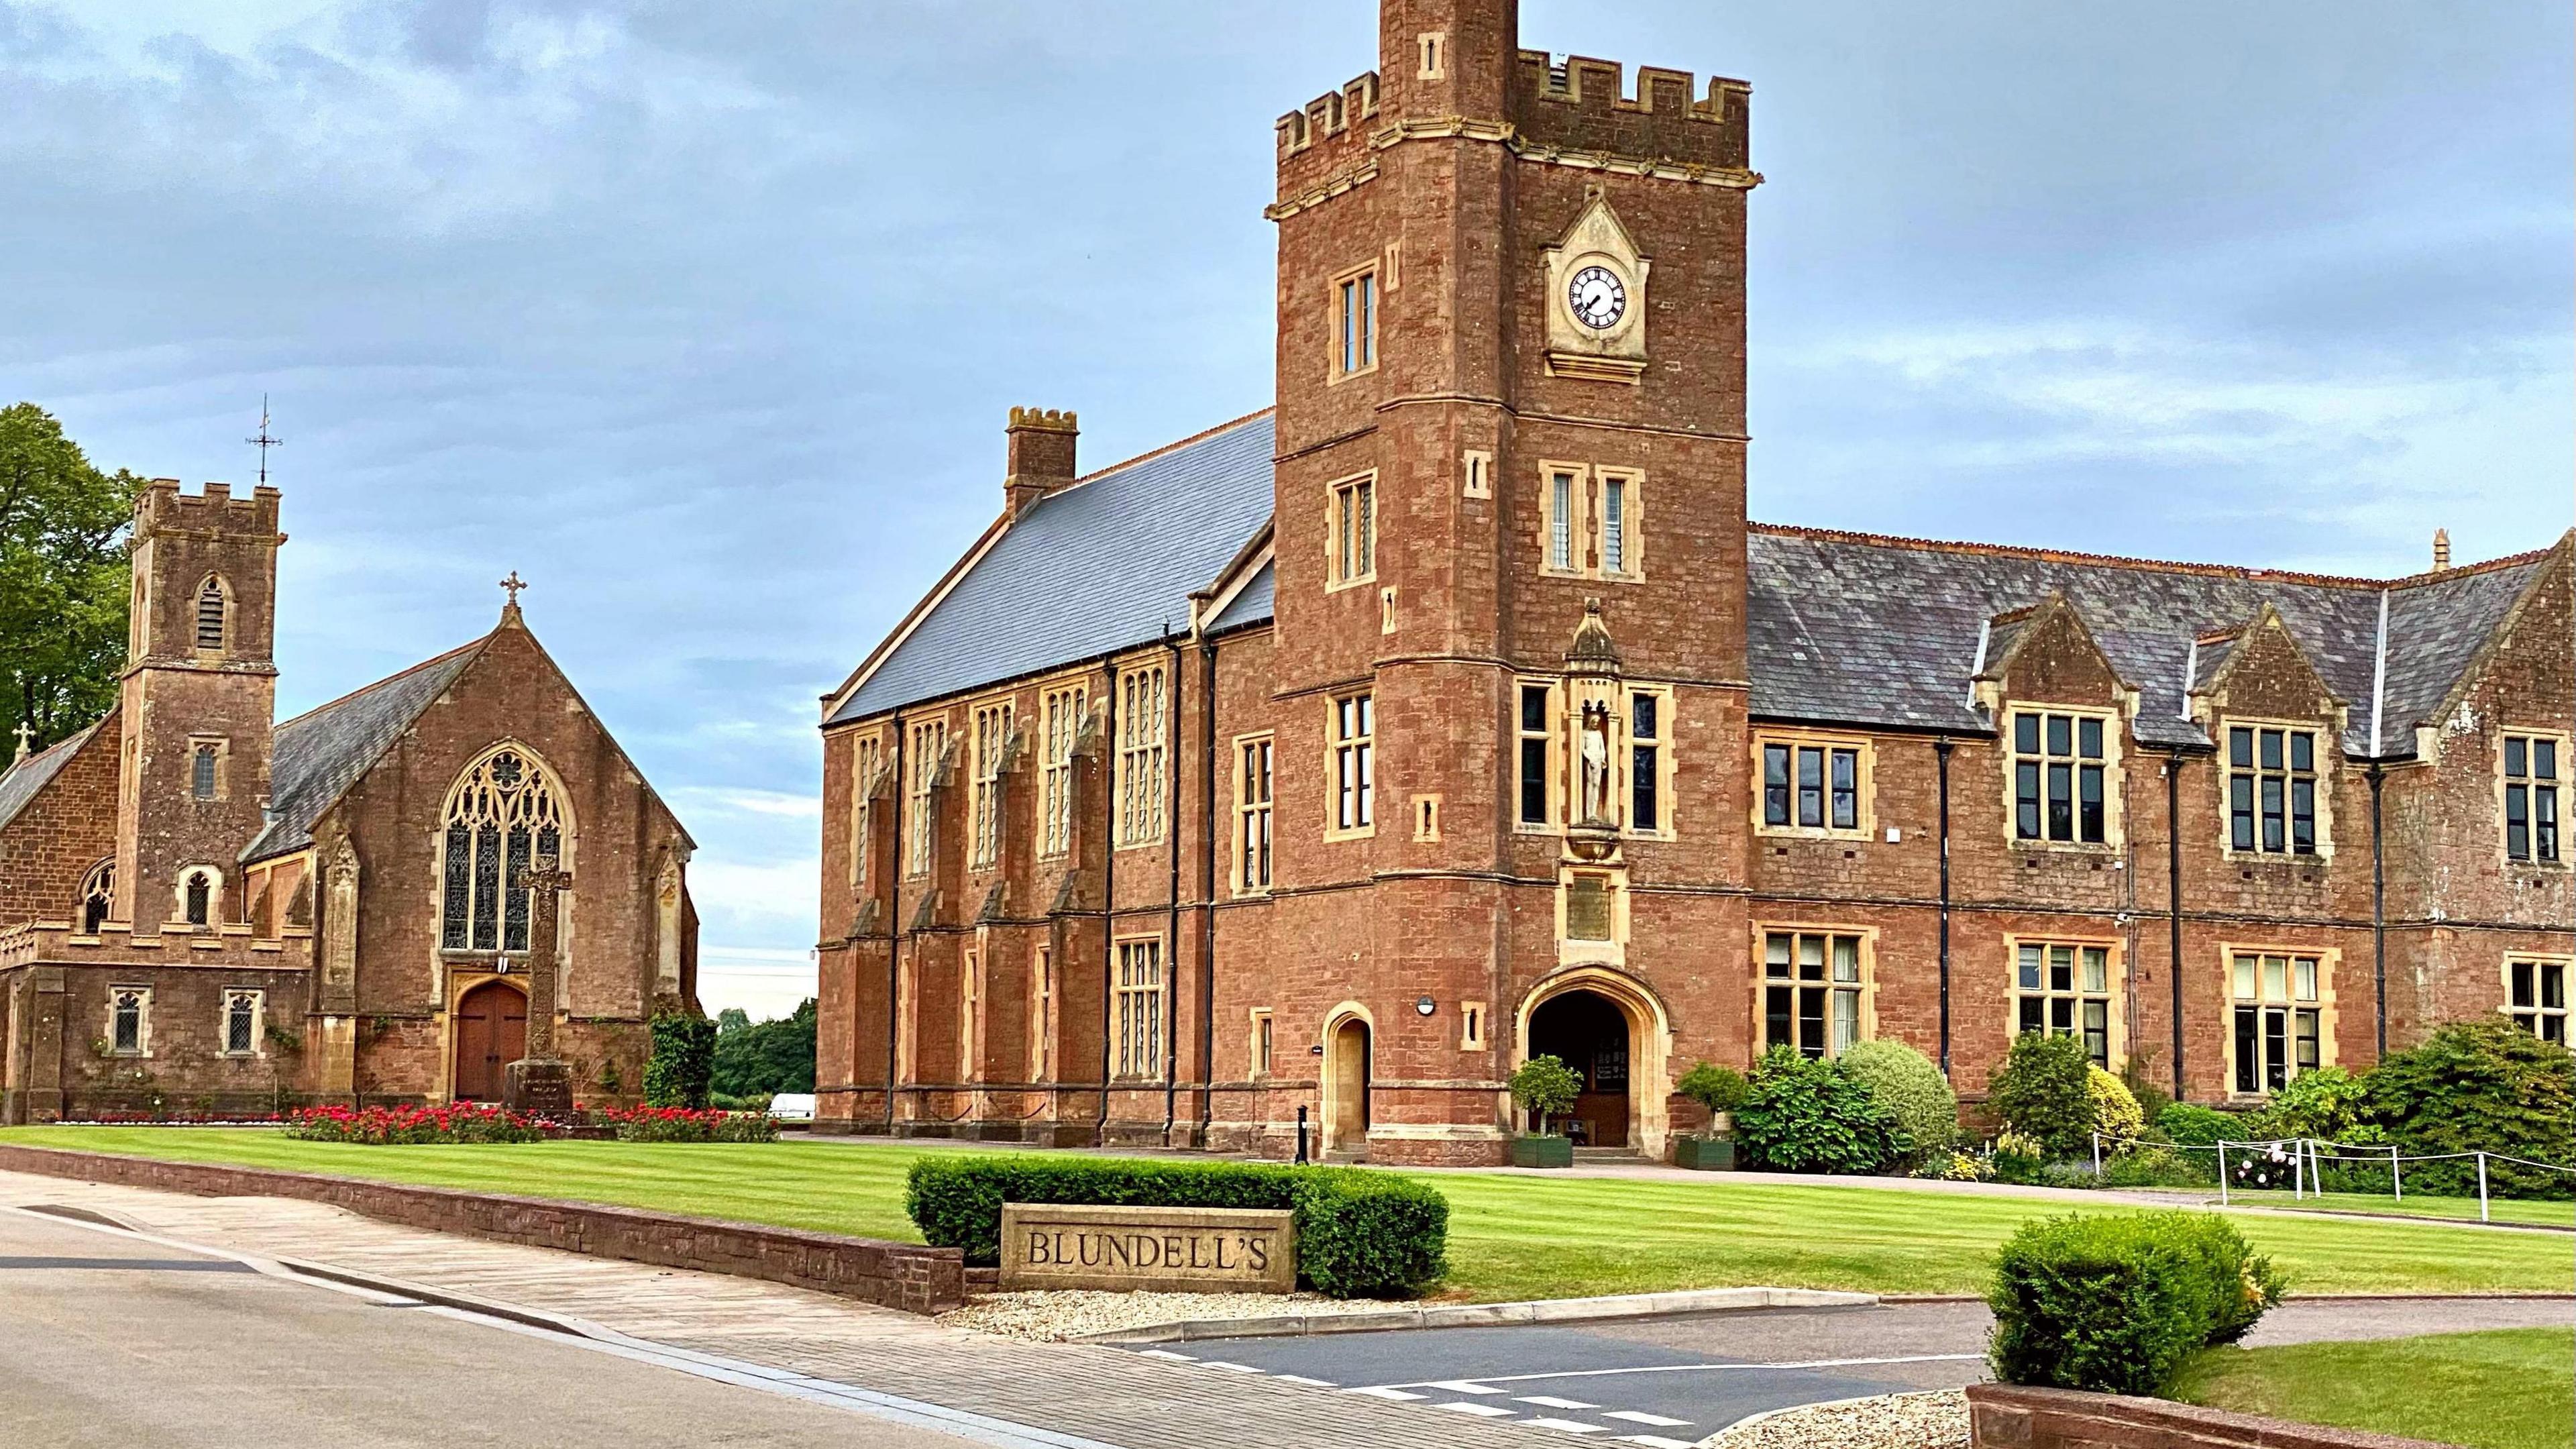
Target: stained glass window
(501, 815)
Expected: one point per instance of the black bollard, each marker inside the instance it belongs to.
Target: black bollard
(1301, 1136)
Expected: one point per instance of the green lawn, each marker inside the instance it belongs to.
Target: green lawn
(2511, 1388)
(1518, 1236)
(2503, 1209)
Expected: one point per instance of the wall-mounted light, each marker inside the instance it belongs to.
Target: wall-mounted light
(1426, 1006)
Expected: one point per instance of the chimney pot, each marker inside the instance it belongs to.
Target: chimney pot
(1041, 455)
(2441, 549)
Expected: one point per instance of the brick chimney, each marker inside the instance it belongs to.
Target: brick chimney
(1041, 444)
(2441, 549)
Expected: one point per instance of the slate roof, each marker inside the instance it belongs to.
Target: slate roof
(21, 783)
(1104, 564)
(1842, 628)
(322, 752)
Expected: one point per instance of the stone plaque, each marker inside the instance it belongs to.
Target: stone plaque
(1148, 1249)
(1587, 909)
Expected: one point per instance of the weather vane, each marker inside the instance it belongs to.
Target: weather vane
(263, 441)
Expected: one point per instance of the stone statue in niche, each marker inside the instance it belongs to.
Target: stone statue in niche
(1594, 749)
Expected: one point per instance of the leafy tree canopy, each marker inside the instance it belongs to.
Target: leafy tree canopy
(63, 578)
(765, 1058)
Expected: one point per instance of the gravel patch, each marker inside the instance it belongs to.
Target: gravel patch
(1051, 1317)
(1893, 1421)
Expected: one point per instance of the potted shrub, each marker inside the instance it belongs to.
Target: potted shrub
(1721, 1090)
(1543, 1087)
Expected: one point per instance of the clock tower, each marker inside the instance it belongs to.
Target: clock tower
(1511, 413)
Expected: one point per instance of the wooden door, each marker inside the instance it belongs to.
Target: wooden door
(491, 1033)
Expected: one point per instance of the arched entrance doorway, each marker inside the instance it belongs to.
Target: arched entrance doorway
(1346, 1086)
(491, 1023)
(1590, 1034)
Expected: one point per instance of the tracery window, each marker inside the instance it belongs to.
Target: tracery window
(129, 1020)
(210, 614)
(1064, 713)
(98, 892)
(992, 732)
(1140, 756)
(241, 1023)
(197, 897)
(506, 810)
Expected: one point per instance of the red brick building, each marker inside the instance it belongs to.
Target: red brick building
(202, 911)
(1450, 711)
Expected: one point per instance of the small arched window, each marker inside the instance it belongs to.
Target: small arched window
(98, 892)
(504, 811)
(211, 609)
(200, 897)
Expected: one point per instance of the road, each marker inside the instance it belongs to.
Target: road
(1668, 1382)
(112, 1341)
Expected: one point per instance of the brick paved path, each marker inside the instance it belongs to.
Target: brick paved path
(1122, 1399)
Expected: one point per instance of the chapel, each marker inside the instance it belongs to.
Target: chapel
(208, 912)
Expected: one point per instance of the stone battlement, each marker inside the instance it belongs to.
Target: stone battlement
(162, 508)
(1584, 103)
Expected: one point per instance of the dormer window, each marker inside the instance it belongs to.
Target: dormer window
(210, 615)
(2060, 765)
(2271, 790)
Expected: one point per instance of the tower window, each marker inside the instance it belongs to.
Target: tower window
(201, 771)
(1355, 316)
(199, 897)
(1354, 531)
(1645, 762)
(1354, 763)
(1535, 713)
(210, 615)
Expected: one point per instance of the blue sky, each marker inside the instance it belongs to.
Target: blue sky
(704, 318)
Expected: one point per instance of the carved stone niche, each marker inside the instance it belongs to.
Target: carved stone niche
(1596, 330)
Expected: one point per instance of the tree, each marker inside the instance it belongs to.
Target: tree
(765, 1058)
(63, 578)
(1545, 1085)
(2044, 1091)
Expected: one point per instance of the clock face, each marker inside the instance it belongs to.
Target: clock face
(1597, 298)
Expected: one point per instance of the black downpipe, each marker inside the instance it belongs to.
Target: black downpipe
(894, 920)
(2173, 906)
(1207, 891)
(2378, 777)
(1108, 910)
(1172, 893)
(1941, 753)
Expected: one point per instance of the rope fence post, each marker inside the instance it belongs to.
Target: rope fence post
(2482, 1187)
(2396, 1178)
(2222, 1172)
(2299, 1170)
(2097, 1152)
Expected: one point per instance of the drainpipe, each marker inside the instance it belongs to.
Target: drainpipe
(2378, 777)
(1941, 748)
(1207, 891)
(894, 920)
(2173, 905)
(1172, 892)
(1108, 907)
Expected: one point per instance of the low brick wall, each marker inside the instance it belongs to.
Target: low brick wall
(2009, 1417)
(908, 1276)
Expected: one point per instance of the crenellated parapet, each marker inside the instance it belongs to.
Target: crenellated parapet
(214, 513)
(1328, 137)
(1584, 104)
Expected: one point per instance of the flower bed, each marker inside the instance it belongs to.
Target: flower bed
(408, 1126)
(689, 1124)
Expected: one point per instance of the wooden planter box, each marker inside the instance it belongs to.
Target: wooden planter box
(1704, 1154)
(1542, 1152)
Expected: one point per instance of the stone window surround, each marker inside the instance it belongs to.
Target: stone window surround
(1764, 930)
(2327, 959)
(2114, 763)
(1864, 782)
(926, 741)
(1253, 814)
(1062, 710)
(2326, 752)
(1584, 523)
(2540, 962)
(258, 1021)
(1361, 744)
(1341, 497)
(179, 922)
(223, 591)
(1143, 757)
(1357, 288)
(970, 1000)
(1666, 745)
(142, 1048)
(1041, 1010)
(1552, 735)
(2566, 744)
(2115, 1022)
(1139, 985)
(1263, 1043)
(989, 736)
(221, 783)
(865, 750)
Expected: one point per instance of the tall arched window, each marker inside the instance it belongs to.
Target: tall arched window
(98, 892)
(210, 614)
(199, 891)
(506, 810)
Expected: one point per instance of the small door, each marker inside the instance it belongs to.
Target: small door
(1349, 1124)
(491, 1032)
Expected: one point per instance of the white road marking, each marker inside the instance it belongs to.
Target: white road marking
(1481, 1411)
(1570, 1426)
(1545, 1402)
(1302, 1379)
(1167, 1353)
(1458, 1386)
(1680, 1368)
(1388, 1393)
(1656, 1441)
(1634, 1417)
(1232, 1368)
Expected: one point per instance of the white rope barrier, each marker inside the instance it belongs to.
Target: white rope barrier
(2305, 1159)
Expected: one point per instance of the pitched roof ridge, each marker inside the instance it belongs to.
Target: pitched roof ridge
(405, 672)
(2066, 556)
(2493, 565)
(1151, 454)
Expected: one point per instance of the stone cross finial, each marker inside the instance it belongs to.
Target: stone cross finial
(544, 883)
(511, 586)
(26, 734)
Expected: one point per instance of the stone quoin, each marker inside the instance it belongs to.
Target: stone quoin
(1307, 775)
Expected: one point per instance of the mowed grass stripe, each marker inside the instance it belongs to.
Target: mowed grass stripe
(1511, 1237)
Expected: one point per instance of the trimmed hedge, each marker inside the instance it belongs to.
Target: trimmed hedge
(2116, 1303)
(1816, 1115)
(1905, 1082)
(1359, 1234)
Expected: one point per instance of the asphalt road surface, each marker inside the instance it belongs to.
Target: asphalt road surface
(1673, 1381)
(114, 1341)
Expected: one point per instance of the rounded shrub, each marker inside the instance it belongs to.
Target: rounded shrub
(1813, 1115)
(2196, 1126)
(1905, 1082)
(2114, 1303)
(2328, 1103)
(1719, 1089)
(2116, 1114)
(2044, 1091)
(2482, 1085)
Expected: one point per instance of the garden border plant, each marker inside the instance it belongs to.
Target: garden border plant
(1359, 1234)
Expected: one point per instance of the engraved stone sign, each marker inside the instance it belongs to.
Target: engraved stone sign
(1148, 1249)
